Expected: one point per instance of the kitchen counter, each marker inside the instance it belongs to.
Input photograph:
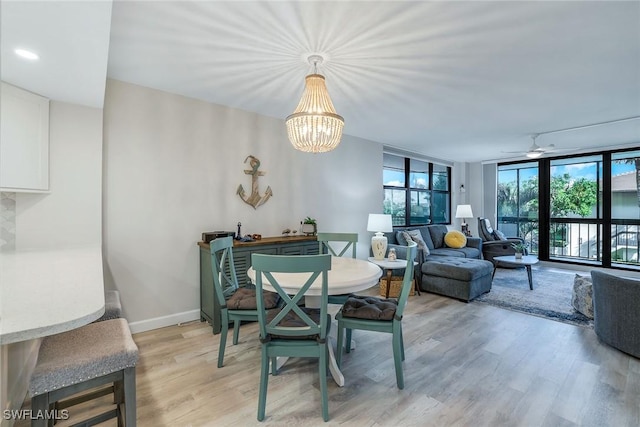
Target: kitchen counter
(45, 292)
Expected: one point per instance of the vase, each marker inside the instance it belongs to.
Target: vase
(309, 229)
(518, 255)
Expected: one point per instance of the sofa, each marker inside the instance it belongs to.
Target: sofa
(433, 236)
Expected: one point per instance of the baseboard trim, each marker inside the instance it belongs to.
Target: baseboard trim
(164, 321)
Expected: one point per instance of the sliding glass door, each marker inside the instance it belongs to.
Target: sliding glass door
(625, 208)
(583, 209)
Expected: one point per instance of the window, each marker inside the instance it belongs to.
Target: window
(586, 208)
(518, 202)
(416, 192)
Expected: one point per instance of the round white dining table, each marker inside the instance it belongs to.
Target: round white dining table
(346, 275)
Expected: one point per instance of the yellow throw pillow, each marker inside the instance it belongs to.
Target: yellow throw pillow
(455, 239)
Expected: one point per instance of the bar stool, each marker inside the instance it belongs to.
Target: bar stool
(112, 310)
(90, 356)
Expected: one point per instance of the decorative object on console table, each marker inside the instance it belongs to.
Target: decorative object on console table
(212, 235)
(464, 211)
(309, 226)
(379, 224)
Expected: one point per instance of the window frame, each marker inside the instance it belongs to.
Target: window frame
(409, 190)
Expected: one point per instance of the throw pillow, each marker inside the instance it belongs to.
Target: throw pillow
(499, 235)
(582, 298)
(415, 236)
(400, 238)
(455, 239)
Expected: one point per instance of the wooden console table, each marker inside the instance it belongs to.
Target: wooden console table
(209, 305)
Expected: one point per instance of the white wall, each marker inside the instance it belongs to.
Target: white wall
(172, 169)
(69, 216)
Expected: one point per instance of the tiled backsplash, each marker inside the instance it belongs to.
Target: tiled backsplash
(7, 221)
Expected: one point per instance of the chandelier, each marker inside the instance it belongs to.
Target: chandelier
(314, 126)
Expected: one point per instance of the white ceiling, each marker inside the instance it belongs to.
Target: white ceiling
(455, 80)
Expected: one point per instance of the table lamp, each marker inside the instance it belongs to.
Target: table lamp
(464, 211)
(379, 223)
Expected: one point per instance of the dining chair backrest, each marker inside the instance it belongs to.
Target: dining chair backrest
(225, 280)
(317, 267)
(325, 239)
(407, 279)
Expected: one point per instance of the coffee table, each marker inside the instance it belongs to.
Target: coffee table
(527, 261)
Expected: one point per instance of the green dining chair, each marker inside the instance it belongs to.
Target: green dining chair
(291, 330)
(331, 242)
(237, 304)
(380, 315)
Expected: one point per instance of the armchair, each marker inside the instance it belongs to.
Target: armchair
(492, 245)
(615, 308)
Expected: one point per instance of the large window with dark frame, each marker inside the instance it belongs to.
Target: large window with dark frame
(587, 211)
(416, 192)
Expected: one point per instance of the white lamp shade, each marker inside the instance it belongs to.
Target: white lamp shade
(380, 222)
(464, 211)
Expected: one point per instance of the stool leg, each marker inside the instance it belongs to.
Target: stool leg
(39, 404)
(130, 397)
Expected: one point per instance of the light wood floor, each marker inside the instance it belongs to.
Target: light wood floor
(466, 365)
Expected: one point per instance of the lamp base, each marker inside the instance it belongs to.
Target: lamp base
(465, 229)
(379, 245)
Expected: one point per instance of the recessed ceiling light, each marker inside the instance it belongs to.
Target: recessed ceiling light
(27, 54)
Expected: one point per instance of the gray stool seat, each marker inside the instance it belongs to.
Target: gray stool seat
(457, 277)
(83, 358)
(112, 306)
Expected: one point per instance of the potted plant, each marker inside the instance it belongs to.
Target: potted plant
(520, 248)
(309, 226)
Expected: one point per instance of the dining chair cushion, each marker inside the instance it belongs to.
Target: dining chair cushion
(245, 299)
(292, 320)
(370, 308)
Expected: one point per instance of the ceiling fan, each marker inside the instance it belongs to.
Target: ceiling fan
(535, 150)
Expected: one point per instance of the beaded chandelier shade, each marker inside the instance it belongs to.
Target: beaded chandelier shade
(314, 126)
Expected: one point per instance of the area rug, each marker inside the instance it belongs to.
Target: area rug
(550, 297)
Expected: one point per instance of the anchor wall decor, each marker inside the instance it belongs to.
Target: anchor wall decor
(254, 199)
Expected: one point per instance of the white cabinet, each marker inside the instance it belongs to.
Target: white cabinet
(24, 140)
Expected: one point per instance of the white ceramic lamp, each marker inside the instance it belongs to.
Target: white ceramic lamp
(464, 211)
(379, 223)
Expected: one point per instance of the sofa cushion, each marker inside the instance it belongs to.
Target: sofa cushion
(446, 252)
(437, 233)
(464, 269)
(455, 239)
